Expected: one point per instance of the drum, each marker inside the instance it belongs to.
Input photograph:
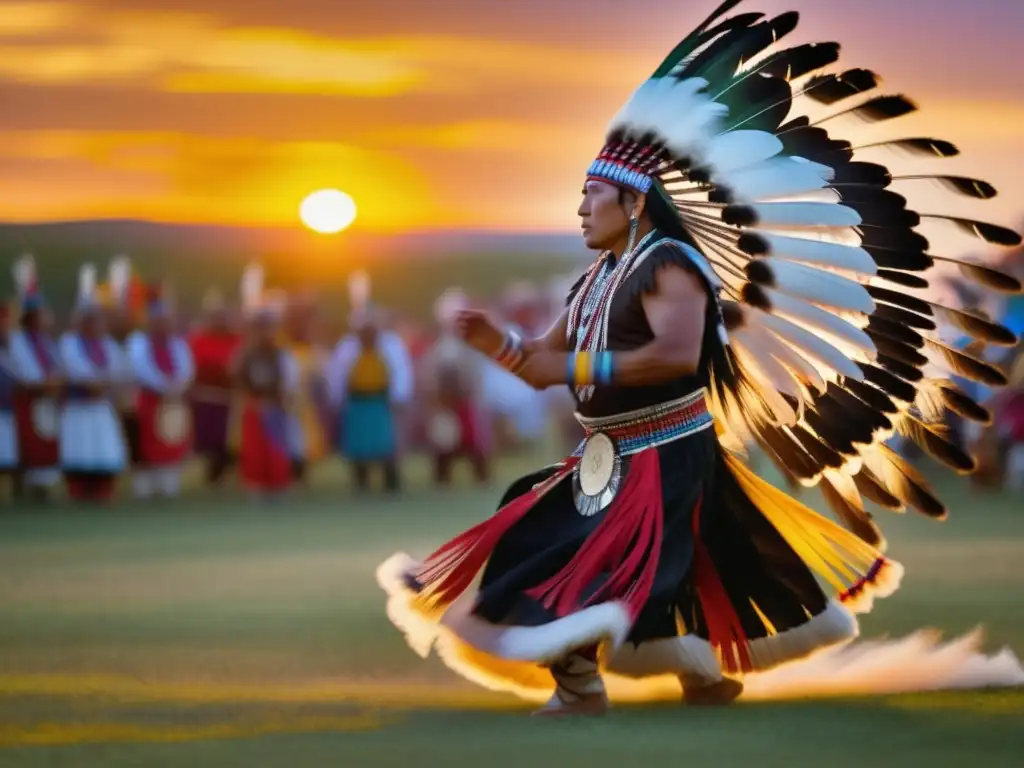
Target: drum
(444, 431)
(46, 418)
(172, 422)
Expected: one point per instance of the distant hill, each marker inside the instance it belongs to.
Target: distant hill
(408, 270)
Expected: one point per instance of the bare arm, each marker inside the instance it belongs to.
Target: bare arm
(675, 313)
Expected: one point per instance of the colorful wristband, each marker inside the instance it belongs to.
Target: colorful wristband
(584, 369)
(604, 369)
(511, 354)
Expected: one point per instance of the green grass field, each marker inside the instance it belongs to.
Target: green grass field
(212, 632)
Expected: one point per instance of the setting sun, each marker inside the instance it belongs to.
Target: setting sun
(328, 211)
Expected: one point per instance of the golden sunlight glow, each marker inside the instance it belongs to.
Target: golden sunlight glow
(328, 211)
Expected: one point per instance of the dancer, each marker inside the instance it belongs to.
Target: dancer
(715, 316)
(93, 451)
(8, 431)
(370, 382)
(125, 296)
(311, 413)
(162, 365)
(39, 387)
(451, 374)
(268, 375)
(214, 346)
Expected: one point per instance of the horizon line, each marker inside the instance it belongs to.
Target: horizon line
(298, 228)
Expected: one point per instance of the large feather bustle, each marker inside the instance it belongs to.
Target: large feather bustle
(814, 252)
(766, 192)
(815, 285)
(828, 326)
(764, 342)
(794, 214)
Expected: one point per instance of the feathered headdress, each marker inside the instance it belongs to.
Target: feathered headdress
(257, 301)
(119, 277)
(815, 248)
(27, 284)
(86, 300)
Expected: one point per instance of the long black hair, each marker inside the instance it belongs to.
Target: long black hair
(664, 217)
(662, 214)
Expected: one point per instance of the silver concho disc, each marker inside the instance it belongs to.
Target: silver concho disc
(596, 476)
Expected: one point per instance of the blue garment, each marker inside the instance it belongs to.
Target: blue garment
(368, 428)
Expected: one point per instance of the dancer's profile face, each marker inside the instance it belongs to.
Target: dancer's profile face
(604, 214)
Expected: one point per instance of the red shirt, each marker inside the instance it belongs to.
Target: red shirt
(212, 352)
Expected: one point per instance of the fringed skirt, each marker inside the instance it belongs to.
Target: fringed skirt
(684, 565)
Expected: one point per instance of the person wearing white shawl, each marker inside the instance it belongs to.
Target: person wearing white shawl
(93, 451)
(163, 368)
(39, 383)
(8, 433)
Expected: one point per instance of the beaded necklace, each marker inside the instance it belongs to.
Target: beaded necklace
(590, 308)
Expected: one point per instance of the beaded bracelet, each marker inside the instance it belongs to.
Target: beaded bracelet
(511, 354)
(585, 369)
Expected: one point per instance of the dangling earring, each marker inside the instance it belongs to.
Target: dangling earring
(634, 225)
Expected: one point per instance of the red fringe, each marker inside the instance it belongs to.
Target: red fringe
(868, 580)
(450, 571)
(724, 627)
(627, 542)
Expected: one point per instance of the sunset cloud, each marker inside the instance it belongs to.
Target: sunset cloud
(460, 114)
(35, 17)
(194, 52)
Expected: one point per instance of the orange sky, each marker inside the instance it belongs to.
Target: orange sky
(464, 114)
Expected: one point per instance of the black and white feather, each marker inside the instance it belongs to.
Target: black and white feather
(833, 347)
